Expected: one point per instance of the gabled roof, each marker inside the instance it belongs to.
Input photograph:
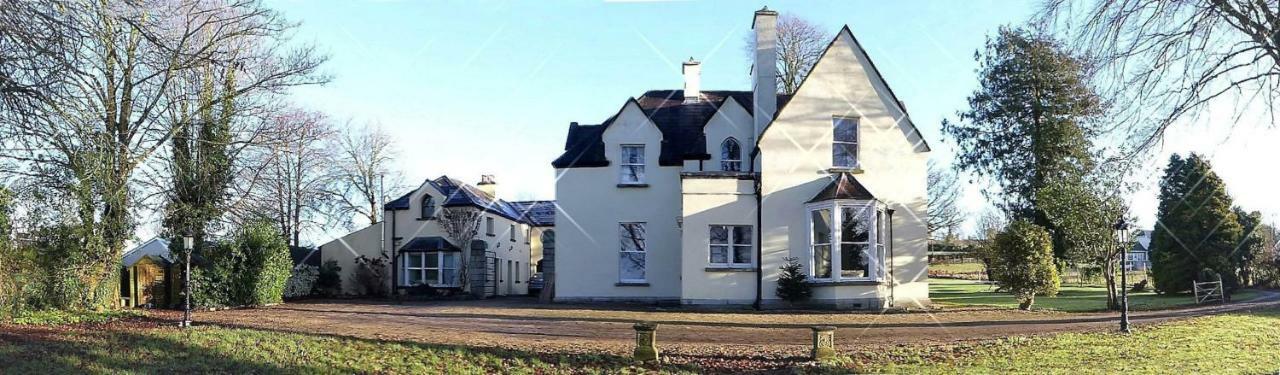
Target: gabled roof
(156, 248)
(875, 75)
(457, 194)
(537, 213)
(681, 125)
(843, 186)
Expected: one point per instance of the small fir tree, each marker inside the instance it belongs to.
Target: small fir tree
(793, 285)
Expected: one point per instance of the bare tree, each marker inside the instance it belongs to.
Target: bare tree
(295, 176)
(364, 172)
(461, 225)
(800, 44)
(944, 195)
(1162, 62)
(112, 90)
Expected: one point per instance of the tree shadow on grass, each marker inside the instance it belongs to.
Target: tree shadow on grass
(119, 351)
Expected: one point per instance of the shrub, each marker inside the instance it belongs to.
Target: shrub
(371, 275)
(249, 270)
(793, 285)
(1023, 262)
(302, 282)
(1140, 287)
(329, 282)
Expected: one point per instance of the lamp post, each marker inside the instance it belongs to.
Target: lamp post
(189, 244)
(1122, 238)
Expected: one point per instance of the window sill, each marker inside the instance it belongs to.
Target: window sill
(629, 186)
(854, 170)
(425, 218)
(631, 283)
(731, 269)
(820, 283)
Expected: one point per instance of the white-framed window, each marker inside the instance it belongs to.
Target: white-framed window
(511, 230)
(488, 225)
(631, 257)
(435, 268)
(428, 207)
(844, 142)
(847, 241)
(731, 245)
(528, 234)
(730, 155)
(632, 166)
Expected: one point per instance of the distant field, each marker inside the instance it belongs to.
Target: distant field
(950, 292)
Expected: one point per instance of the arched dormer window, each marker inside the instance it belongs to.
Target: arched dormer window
(730, 155)
(428, 207)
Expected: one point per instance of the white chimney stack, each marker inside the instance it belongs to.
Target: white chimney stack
(692, 81)
(488, 185)
(765, 79)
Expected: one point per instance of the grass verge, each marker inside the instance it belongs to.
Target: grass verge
(61, 317)
(1240, 343)
(950, 292)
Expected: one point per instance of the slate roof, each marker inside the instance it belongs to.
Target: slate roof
(430, 243)
(843, 186)
(458, 194)
(537, 213)
(155, 248)
(680, 123)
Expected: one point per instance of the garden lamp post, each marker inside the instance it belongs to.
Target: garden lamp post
(1122, 238)
(189, 244)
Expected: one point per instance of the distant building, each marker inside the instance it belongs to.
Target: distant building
(1139, 256)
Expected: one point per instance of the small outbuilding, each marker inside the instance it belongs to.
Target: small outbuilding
(148, 277)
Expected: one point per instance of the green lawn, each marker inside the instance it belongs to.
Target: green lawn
(950, 292)
(965, 267)
(230, 350)
(1242, 343)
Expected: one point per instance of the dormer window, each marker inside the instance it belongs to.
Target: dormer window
(730, 155)
(428, 207)
(632, 165)
(844, 143)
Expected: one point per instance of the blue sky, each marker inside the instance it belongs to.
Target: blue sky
(471, 88)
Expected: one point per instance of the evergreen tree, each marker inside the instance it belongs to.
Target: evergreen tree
(1023, 263)
(201, 163)
(1196, 227)
(1030, 122)
(792, 285)
(1252, 245)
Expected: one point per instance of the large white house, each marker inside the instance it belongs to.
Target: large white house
(699, 196)
(498, 262)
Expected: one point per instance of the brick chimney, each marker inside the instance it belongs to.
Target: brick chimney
(765, 72)
(692, 81)
(488, 185)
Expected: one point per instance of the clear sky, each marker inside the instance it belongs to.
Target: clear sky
(471, 88)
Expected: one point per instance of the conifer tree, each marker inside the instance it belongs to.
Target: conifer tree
(1196, 228)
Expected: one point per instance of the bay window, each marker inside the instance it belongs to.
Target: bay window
(434, 268)
(846, 241)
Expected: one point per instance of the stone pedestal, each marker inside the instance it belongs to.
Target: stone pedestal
(646, 342)
(824, 342)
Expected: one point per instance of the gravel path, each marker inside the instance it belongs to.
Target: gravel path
(522, 320)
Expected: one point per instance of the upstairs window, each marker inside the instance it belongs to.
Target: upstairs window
(844, 143)
(428, 207)
(632, 166)
(730, 156)
(512, 232)
(488, 226)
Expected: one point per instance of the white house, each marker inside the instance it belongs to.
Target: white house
(699, 196)
(498, 261)
(1139, 256)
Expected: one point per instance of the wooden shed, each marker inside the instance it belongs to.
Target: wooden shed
(149, 278)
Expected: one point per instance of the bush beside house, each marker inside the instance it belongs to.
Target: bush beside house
(250, 269)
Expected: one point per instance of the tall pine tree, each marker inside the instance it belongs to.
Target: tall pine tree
(1029, 124)
(1196, 227)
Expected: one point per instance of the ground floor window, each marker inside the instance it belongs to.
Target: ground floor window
(436, 268)
(730, 245)
(631, 257)
(846, 241)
